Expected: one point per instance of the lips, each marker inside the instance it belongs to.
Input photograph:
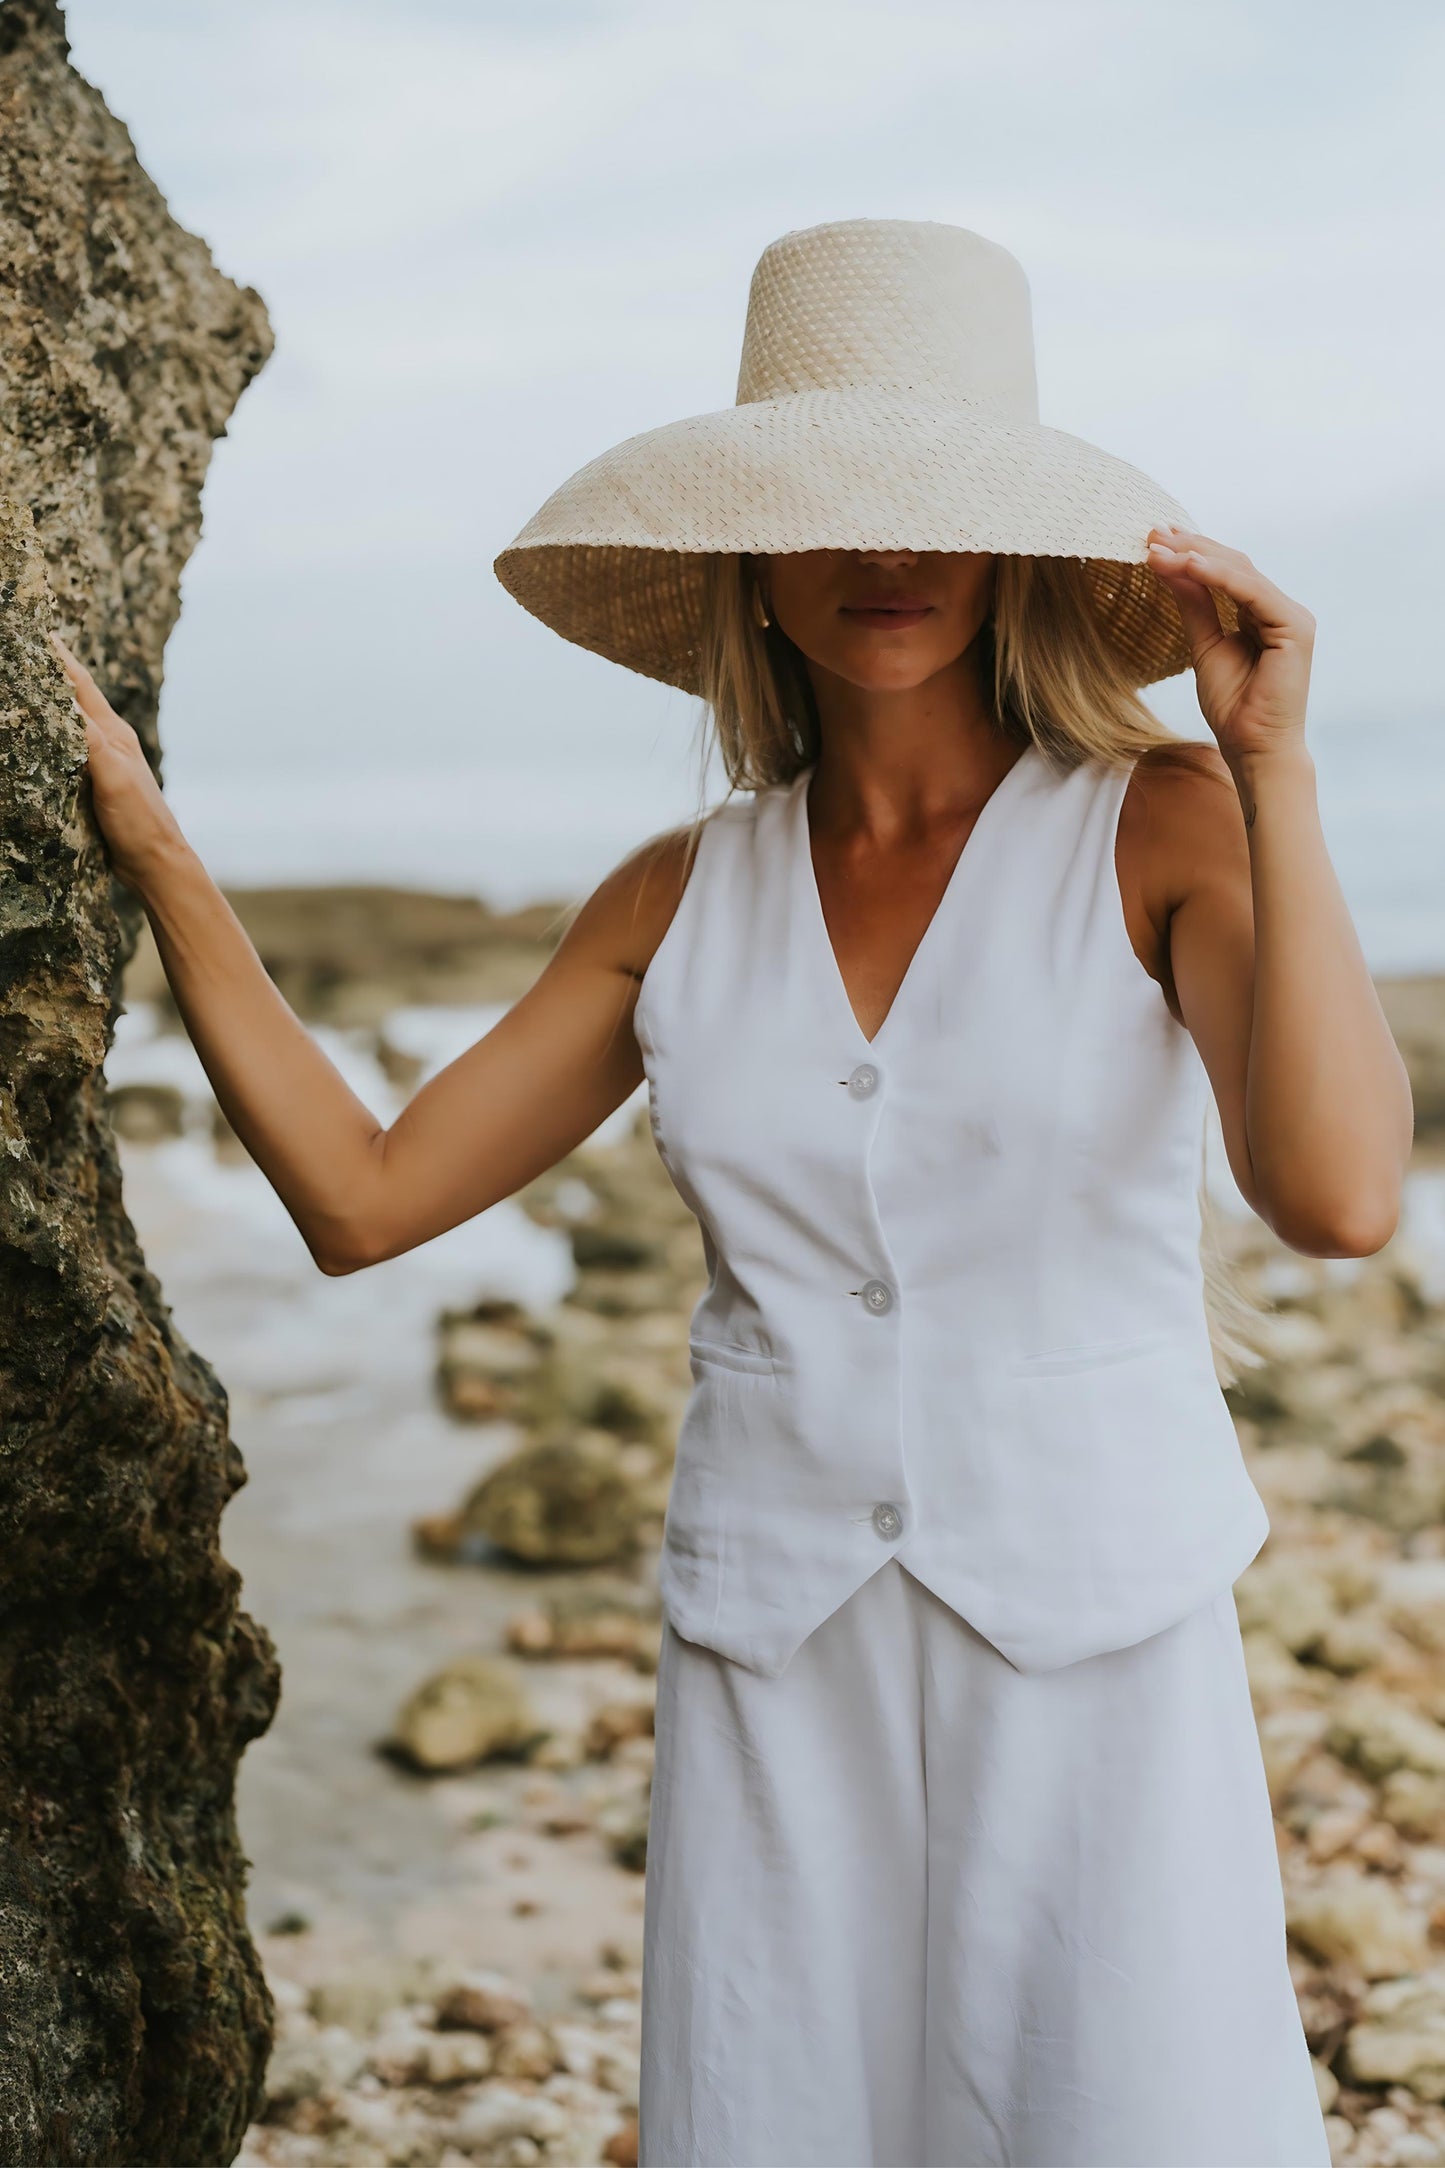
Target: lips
(892, 611)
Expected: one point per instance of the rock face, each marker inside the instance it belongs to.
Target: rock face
(136, 2018)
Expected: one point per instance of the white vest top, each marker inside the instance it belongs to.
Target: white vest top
(955, 1310)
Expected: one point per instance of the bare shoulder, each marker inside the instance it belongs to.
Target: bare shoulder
(619, 926)
(1181, 823)
(1181, 834)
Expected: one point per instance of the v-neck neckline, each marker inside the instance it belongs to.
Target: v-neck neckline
(803, 849)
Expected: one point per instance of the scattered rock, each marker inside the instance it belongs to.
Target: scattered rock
(470, 1710)
(490, 1356)
(525, 2050)
(1415, 1804)
(1327, 2085)
(312, 2062)
(482, 2002)
(1289, 1598)
(500, 2113)
(1379, 1735)
(625, 1828)
(621, 2149)
(1361, 1920)
(615, 1722)
(1400, 2038)
(145, 1113)
(589, 1623)
(558, 1504)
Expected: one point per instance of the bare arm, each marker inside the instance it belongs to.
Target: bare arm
(1266, 966)
(550, 1070)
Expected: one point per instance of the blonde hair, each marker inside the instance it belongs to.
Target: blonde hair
(1057, 684)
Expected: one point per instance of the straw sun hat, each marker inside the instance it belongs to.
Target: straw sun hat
(887, 399)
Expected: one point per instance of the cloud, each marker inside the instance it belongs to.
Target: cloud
(495, 240)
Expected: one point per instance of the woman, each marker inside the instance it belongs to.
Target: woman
(960, 1850)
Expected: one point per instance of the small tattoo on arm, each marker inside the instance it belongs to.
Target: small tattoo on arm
(1249, 813)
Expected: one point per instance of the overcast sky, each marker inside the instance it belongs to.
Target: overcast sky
(496, 239)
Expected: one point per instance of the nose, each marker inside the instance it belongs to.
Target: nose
(889, 559)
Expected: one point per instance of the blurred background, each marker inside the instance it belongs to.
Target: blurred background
(494, 241)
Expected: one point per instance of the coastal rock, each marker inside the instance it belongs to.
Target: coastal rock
(145, 1113)
(1380, 1735)
(1359, 1919)
(1327, 2085)
(1400, 2036)
(312, 2063)
(525, 2049)
(1274, 1674)
(490, 1357)
(614, 1723)
(1415, 1804)
(562, 1503)
(1355, 1641)
(474, 1708)
(500, 2114)
(620, 2150)
(482, 2002)
(1412, 1592)
(1288, 1738)
(1289, 1598)
(589, 1623)
(136, 2021)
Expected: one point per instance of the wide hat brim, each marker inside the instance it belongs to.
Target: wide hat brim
(613, 559)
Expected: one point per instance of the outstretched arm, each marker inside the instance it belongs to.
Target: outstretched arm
(537, 1084)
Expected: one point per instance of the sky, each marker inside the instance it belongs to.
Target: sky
(495, 239)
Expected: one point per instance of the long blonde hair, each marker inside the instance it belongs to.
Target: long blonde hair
(1057, 684)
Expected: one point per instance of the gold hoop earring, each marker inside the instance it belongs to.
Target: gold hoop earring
(760, 609)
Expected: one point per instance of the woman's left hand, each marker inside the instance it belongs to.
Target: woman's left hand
(1253, 683)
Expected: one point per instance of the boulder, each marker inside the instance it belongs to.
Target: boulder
(1379, 1734)
(490, 1358)
(1359, 1920)
(563, 1503)
(1415, 1804)
(1288, 1597)
(483, 2002)
(470, 1710)
(1399, 2038)
(312, 2063)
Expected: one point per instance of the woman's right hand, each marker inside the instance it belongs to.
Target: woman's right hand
(130, 805)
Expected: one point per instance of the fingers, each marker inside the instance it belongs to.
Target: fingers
(1181, 558)
(1196, 606)
(89, 697)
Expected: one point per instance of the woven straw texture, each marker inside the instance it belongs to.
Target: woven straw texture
(887, 399)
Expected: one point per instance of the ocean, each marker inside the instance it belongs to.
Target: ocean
(530, 831)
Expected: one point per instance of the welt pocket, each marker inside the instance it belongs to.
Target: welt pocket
(732, 1355)
(1090, 1355)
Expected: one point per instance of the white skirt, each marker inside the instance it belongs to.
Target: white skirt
(908, 1905)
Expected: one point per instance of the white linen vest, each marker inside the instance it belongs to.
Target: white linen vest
(955, 1310)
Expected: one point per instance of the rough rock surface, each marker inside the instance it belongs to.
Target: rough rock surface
(137, 2021)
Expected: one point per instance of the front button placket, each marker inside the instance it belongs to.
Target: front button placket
(877, 1296)
(887, 1520)
(864, 1081)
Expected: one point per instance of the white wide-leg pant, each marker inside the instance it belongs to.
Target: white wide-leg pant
(908, 1905)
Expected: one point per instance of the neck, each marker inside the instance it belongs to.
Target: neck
(921, 750)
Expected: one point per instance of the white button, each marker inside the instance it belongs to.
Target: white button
(877, 1296)
(888, 1521)
(863, 1082)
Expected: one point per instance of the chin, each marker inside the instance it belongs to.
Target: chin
(898, 672)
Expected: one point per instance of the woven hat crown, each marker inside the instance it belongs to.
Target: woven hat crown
(906, 306)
